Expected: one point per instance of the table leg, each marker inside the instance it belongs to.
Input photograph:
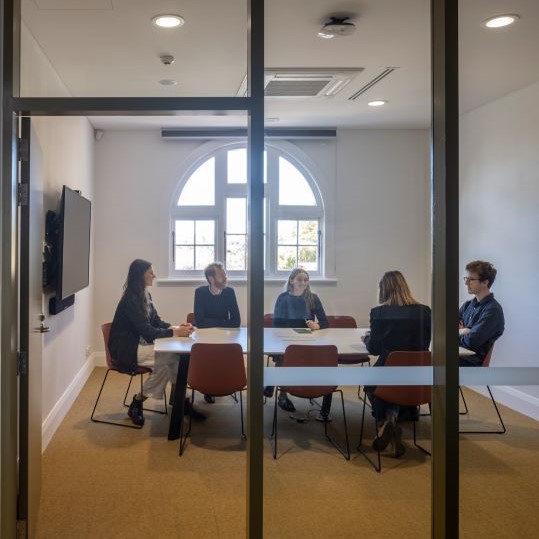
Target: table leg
(176, 416)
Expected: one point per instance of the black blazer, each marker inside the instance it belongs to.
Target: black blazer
(130, 323)
(398, 328)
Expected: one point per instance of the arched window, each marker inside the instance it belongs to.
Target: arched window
(209, 214)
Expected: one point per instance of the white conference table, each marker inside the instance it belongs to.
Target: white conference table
(347, 340)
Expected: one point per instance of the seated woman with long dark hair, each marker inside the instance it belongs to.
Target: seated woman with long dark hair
(135, 326)
(400, 322)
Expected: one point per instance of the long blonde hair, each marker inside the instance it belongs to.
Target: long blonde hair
(307, 294)
(394, 290)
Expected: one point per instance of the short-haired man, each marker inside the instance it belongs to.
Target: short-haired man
(481, 319)
(216, 304)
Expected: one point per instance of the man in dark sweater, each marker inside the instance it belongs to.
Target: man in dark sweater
(481, 319)
(216, 304)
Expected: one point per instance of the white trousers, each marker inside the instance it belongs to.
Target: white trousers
(165, 369)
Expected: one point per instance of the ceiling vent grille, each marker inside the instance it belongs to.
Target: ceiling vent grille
(304, 82)
(374, 81)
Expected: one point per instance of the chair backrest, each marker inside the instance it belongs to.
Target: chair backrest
(105, 328)
(486, 359)
(268, 320)
(297, 355)
(217, 369)
(191, 318)
(341, 321)
(406, 395)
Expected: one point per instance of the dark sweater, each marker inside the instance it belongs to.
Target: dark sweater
(130, 323)
(396, 327)
(220, 310)
(291, 312)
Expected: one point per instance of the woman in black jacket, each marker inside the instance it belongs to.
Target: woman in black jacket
(135, 326)
(399, 323)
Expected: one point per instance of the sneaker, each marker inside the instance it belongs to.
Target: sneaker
(135, 412)
(210, 399)
(385, 435)
(286, 404)
(268, 391)
(193, 412)
(323, 418)
(398, 447)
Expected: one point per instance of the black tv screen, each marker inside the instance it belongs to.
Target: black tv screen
(73, 244)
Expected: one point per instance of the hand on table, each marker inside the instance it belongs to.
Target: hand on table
(183, 330)
(312, 325)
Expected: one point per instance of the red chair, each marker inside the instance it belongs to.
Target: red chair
(486, 363)
(140, 371)
(402, 395)
(215, 369)
(311, 356)
(268, 320)
(191, 318)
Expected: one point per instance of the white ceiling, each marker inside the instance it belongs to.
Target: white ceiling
(110, 48)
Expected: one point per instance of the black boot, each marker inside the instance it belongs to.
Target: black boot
(135, 412)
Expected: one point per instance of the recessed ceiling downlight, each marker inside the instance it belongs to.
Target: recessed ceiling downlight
(377, 103)
(168, 21)
(501, 20)
(168, 82)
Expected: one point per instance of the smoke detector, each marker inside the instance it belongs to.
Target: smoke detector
(167, 59)
(337, 27)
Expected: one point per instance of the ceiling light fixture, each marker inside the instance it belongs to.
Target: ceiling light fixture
(336, 27)
(168, 21)
(168, 82)
(501, 20)
(377, 103)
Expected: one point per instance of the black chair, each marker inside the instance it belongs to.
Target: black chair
(140, 371)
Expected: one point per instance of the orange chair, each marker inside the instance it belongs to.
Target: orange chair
(215, 369)
(191, 318)
(268, 320)
(311, 356)
(402, 395)
(140, 370)
(486, 363)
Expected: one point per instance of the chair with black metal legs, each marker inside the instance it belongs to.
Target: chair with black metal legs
(311, 356)
(486, 363)
(215, 369)
(401, 395)
(140, 371)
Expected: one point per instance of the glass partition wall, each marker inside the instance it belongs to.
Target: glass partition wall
(342, 189)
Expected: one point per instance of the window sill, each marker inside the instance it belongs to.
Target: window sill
(241, 281)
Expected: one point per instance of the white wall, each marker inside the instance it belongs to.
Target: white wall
(499, 220)
(379, 180)
(66, 145)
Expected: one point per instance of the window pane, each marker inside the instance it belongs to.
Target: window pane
(235, 252)
(307, 258)
(204, 256)
(294, 190)
(184, 258)
(287, 232)
(205, 232)
(184, 232)
(237, 166)
(286, 258)
(236, 215)
(199, 190)
(308, 232)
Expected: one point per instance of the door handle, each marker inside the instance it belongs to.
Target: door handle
(42, 329)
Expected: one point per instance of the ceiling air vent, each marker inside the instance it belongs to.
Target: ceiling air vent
(303, 82)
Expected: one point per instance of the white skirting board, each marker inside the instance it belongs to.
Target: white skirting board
(60, 409)
(513, 398)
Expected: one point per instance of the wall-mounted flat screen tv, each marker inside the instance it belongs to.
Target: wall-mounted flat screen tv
(73, 247)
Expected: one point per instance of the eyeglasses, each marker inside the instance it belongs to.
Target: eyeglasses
(467, 279)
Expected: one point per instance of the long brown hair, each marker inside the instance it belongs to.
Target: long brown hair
(394, 290)
(307, 294)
